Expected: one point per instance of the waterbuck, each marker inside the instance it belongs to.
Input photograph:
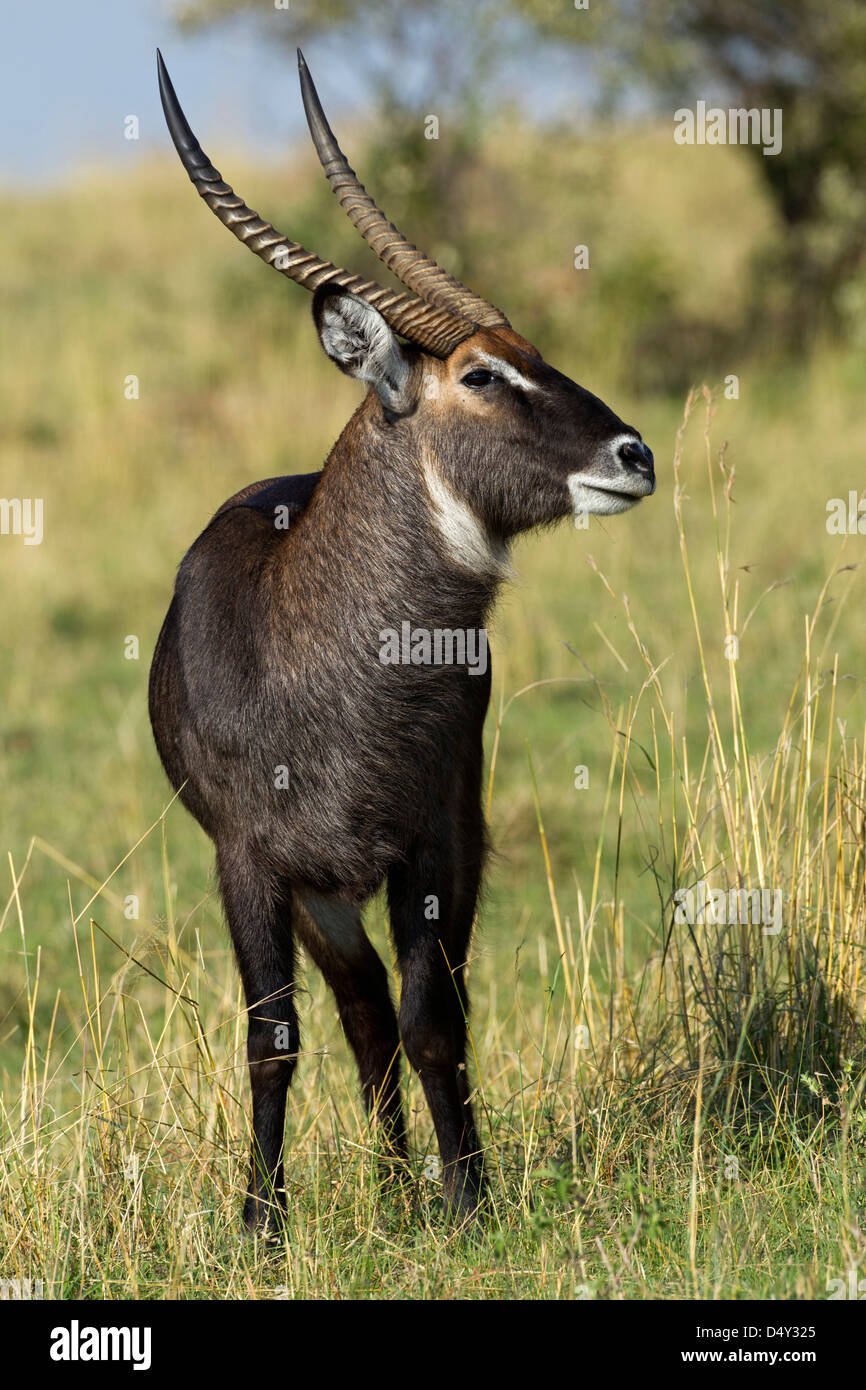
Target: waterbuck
(321, 766)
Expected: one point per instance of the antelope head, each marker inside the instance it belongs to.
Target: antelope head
(506, 441)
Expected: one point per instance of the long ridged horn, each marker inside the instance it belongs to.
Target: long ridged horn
(411, 267)
(432, 327)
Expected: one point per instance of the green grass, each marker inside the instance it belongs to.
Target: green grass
(669, 1114)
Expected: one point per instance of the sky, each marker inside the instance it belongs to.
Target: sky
(73, 70)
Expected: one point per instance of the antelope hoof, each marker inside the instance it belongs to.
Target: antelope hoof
(264, 1218)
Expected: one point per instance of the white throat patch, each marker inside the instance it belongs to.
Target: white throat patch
(465, 537)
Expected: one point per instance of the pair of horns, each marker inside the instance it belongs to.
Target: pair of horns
(437, 315)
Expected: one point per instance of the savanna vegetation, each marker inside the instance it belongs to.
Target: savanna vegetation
(671, 1110)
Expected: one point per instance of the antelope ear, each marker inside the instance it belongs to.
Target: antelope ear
(357, 338)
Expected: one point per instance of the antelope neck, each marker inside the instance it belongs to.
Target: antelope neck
(372, 513)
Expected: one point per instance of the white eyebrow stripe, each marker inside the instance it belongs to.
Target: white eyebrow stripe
(508, 372)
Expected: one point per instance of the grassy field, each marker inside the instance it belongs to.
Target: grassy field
(671, 1112)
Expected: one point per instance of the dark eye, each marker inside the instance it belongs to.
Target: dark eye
(479, 377)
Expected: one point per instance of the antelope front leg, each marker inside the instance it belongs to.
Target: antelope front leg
(261, 928)
(434, 1010)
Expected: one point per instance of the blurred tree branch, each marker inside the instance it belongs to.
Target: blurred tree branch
(804, 57)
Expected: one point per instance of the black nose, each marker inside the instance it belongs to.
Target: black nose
(635, 454)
